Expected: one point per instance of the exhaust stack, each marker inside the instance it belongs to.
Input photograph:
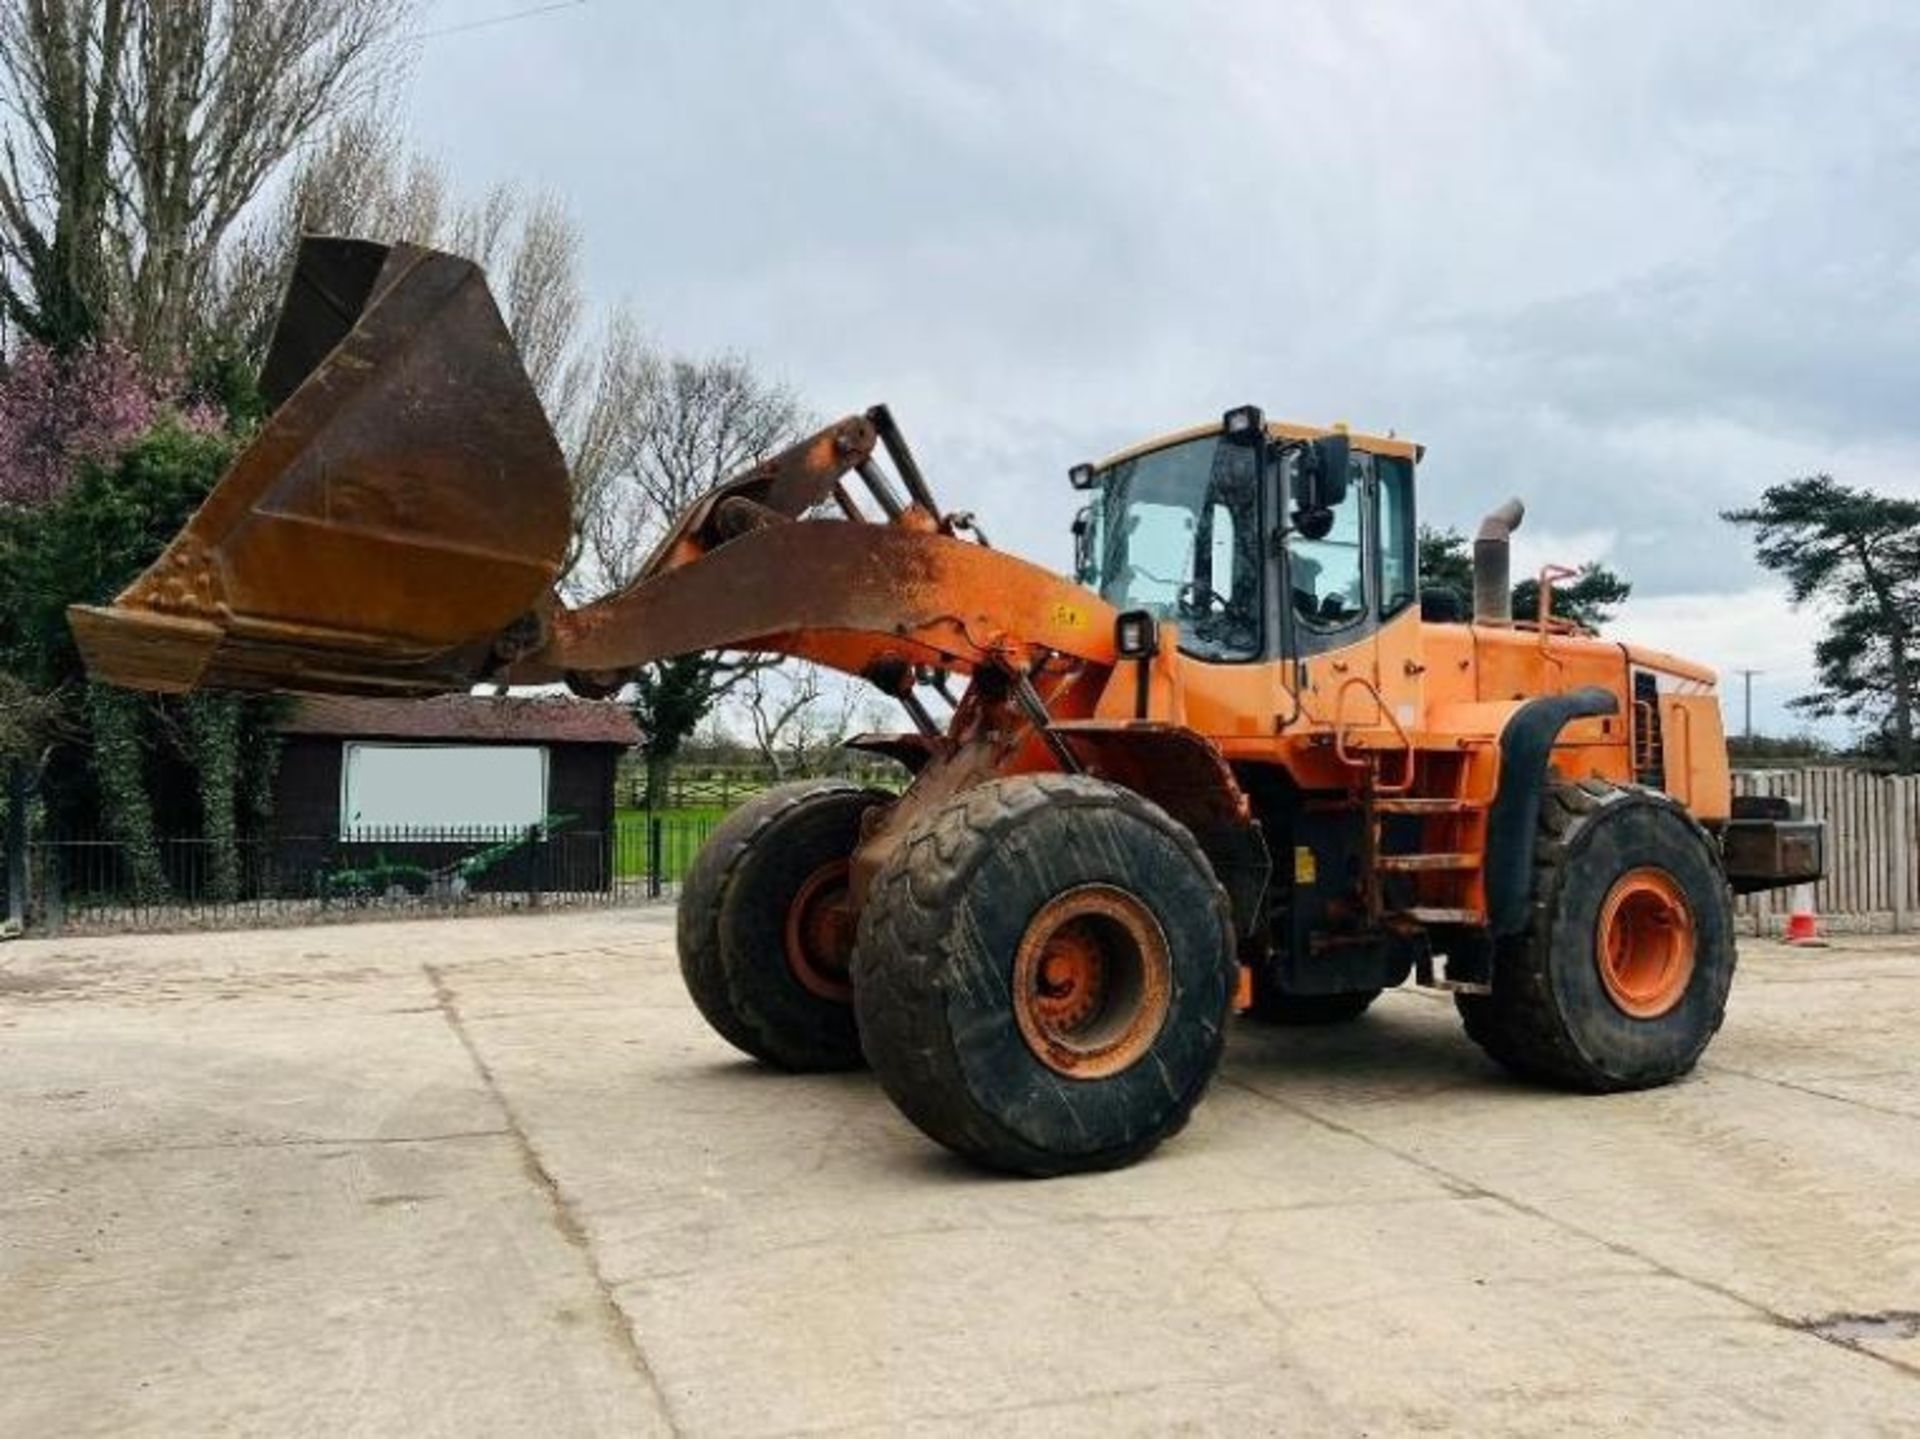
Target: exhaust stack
(1493, 563)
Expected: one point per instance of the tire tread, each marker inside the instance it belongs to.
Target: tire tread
(902, 931)
(1520, 1024)
(703, 901)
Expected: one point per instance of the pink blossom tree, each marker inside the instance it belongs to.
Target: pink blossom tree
(57, 413)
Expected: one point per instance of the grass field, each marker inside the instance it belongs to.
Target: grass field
(702, 802)
(682, 832)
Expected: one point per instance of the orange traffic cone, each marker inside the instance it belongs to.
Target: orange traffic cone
(1803, 924)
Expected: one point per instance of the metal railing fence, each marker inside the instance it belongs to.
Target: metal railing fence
(85, 882)
(691, 786)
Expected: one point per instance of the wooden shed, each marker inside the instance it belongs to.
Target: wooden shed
(428, 774)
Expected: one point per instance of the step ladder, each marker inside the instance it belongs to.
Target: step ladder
(1443, 864)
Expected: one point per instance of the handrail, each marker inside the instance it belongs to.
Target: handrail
(1543, 612)
(1646, 734)
(1543, 608)
(1340, 732)
(1685, 767)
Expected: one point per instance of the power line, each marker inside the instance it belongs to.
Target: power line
(507, 19)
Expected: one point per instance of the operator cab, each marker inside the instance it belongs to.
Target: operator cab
(1260, 541)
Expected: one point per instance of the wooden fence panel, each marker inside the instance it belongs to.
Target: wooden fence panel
(1873, 849)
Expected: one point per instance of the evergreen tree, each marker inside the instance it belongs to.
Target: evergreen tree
(1856, 554)
(1590, 598)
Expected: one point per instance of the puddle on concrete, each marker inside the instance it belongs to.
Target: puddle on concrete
(1889, 1326)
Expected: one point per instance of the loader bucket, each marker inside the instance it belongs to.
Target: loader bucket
(403, 508)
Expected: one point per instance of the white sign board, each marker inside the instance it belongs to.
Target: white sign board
(442, 786)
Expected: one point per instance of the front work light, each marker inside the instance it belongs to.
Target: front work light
(1136, 635)
(1081, 477)
(1243, 422)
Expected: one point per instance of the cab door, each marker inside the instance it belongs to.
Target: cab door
(1350, 599)
(1400, 659)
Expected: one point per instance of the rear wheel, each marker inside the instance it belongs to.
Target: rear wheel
(1043, 975)
(766, 935)
(1621, 979)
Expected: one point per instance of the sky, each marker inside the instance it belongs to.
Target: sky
(1632, 262)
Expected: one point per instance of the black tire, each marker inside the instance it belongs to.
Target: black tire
(935, 962)
(1551, 1015)
(732, 922)
(1300, 1011)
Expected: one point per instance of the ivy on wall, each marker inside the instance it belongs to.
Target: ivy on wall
(213, 732)
(100, 746)
(116, 719)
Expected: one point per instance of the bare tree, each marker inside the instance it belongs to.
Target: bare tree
(680, 427)
(600, 426)
(543, 297)
(687, 424)
(60, 66)
(776, 702)
(141, 130)
(356, 180)
(795, 717)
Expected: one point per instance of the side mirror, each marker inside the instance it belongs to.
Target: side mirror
(1313, 524)
(1335, 459)
(1320, 483)
(1083, 545)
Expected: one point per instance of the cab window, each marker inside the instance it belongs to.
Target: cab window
(1329, 574)
(1394, 532)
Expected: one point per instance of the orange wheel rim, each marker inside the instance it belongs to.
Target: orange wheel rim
(819, 934)
(1646, 943)
(1092, 982)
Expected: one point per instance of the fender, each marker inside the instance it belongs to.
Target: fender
(1186, 775)
(1526, 744)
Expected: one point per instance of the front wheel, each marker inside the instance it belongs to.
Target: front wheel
(1621, 979)
(1043, 975)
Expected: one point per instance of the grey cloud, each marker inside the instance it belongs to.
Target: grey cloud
(1630, 261)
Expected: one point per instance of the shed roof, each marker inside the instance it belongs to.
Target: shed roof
(472, 719)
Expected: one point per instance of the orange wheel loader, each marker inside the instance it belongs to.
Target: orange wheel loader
(1237, 760)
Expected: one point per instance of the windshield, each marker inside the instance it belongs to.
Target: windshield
(1176, 533)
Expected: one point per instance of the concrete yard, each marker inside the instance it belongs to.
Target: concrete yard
(494, 1176)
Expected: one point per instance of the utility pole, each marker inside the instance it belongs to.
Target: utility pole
(1748, 675)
